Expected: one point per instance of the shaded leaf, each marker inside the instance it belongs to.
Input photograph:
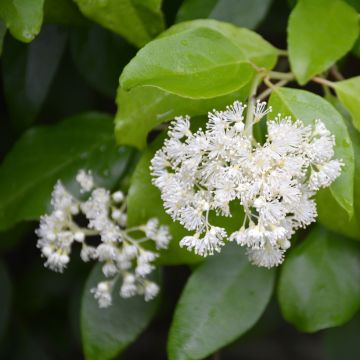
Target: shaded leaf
(28, 71)
(100, 56)
(62, 12)
(308, 107)
(319, 33)
(222, 299)
(199, 59)
(48, 153)
(319, 285)
(138, 21)
(107, 332)
(246, 13)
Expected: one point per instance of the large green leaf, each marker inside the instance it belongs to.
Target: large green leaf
(199, 59)
(5, 298)
(100, 56)
(308, 107)
(223, 299)
(22, 17)
(319, 285)
(138, 21)
(331, 214)
(246, 13)
(348, 92)
(107, 332)
(144, 107)
(319, 33)
(28, 72)
(48, 153)
(62, 12)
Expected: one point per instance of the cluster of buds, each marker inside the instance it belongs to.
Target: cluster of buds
(119, 248)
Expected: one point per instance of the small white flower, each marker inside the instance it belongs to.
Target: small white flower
(85, 179)
(102, 293)
(151, 290)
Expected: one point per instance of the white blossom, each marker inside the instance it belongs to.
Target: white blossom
(120, 248)
(201, 173)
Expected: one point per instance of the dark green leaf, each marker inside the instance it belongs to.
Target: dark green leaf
(5, 298)
(223, 299)
(100, 56)
(138, 21)
(107, 332)
(2, 35)
(308, 107)
(48, 153)
(343, 342)
(144, 107)
(348, 92)
(28, 71)
(23, 18)
(62, 12)
(245, 13)
(319, 285)
(199, 59)
(319, 33)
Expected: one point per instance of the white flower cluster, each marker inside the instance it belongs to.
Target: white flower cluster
(275, 182)
(120, 248)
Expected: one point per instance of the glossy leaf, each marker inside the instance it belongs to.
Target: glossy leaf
(330, 213)
(199, 59)
(246, 13)
(348, 92)
(5, 298)
(319, 285)
(107, 332)
(223, 299)
(100, 56)
(28, 72)
(48, 153)
(135, 20)
(144, 107)
(23, 18)
(319, 33)
(308, 107)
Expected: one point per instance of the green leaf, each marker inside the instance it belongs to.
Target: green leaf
(144, 202)
(245, 13)
(222, 299)
(48, 153)
(319, 33)
(28, 72)
(23, 18)
(199, 59)
(107, 332)
(138, 21)
(5, 298)
(144, 107)
(348, 92)
(331, 214)
(319, 285)
(303, 105)
(100, 56)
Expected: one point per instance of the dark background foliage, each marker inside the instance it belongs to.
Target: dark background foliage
(72, 68)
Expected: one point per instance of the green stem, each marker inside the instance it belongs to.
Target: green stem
(323, 81)
(280, 75)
